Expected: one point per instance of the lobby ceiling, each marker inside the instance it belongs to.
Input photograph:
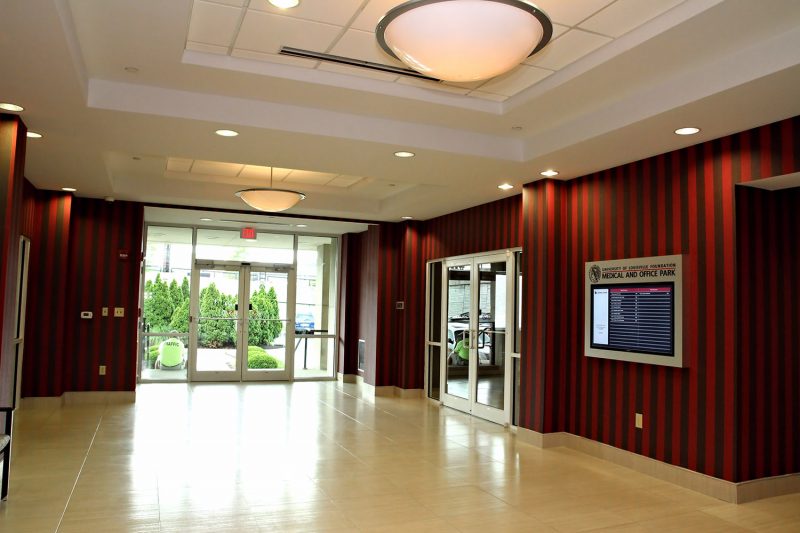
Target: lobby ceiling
(128, 94)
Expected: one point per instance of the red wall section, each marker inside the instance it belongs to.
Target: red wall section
(46, 223)
(768, 262)
(676, 203)
(12, 159)
(98, 278)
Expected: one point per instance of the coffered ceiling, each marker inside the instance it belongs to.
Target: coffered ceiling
(128, 94)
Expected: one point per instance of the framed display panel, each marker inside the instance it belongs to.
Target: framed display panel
(634, 310)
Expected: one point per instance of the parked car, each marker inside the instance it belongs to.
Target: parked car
(303, 322)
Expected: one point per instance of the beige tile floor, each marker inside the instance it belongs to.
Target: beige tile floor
(312, 457)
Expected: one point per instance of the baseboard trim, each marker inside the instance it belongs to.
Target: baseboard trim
(347, 378)
(99, 397)
(79, 398)
(727, 491)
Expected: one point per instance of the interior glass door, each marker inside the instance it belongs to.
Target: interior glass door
(269, 325)
(217, 327)
(475, 373)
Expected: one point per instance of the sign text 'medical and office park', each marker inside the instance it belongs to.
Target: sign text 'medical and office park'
(634, 310)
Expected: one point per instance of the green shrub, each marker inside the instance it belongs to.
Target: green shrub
(152, 354)
(257, 357)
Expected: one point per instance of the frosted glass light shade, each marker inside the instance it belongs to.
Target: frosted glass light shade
(272, 200)
(463, 40)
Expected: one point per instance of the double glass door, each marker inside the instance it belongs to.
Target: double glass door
(242, 322)
(475, 370)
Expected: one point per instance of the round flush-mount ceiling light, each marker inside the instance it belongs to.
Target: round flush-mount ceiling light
(33, 135)
(463, 40)
(404, 154)
(505, 187)
(549, 173)
(687, 131)
(227, 133)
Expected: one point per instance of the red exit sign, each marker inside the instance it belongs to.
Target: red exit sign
(248, 233)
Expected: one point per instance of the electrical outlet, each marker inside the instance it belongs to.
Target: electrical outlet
(102, 370)
(119, 312)
(639, 421)
(105, 311)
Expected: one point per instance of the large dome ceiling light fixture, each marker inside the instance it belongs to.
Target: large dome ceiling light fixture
(463, 40)
(269, 199)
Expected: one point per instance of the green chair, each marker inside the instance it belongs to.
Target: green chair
(170, 354)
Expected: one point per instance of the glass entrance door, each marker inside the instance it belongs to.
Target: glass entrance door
(475, 373)
(242, 323)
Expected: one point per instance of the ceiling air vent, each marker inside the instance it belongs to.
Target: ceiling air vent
(320, 56)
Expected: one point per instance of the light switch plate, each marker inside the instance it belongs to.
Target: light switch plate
(639, 420)
(105, 311)
(102, 370)
(119, 312)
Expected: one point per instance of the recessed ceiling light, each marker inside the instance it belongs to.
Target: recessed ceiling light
(516, 128)
(404, 154)
(34, 135)
(407, 218)
(302, 225)
(284, 4)
(549, 173)
(206, 220)
(505, 186)
(227, 133)
(687, 131)
(11, 107)
(69, 189)
(132, 70)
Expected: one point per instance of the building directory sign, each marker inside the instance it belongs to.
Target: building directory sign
(634, 310)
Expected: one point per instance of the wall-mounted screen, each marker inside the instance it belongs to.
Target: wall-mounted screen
(634, 310)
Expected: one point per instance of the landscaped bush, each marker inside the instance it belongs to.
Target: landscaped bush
(152, 355)
(257, 357)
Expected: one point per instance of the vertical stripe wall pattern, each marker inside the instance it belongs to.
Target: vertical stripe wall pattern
(12, 160)
(100, 233)
(74, 267)
(768, 263)
(46, 218)
(676, 203)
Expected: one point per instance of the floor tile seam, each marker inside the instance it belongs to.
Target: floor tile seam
(78, 476)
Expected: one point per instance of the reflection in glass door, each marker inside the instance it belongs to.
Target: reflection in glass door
(216, 332)
(243, 330)
(475, 372)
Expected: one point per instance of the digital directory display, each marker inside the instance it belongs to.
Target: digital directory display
(634, 310)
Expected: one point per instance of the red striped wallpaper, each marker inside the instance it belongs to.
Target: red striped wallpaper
(676, 203)
(47, 221)
(12, 160)
(98, 278)
(768, 263)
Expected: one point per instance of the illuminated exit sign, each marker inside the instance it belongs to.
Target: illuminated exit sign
(248, 233)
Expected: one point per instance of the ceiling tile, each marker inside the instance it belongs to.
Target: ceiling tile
(362, 45)
(344, 181)
(356, 71)
(571, 12)
(339, 12)
(264, 32)
(489, 96)
(254, 172)
(213, 23)
(234, 3)
(374, 11)
(216, 168)
(208, 48)
(433, 85)
(515, 81)
(568, 48)
(177, 164)
(624, 15)
(274, 58)
(308, 177)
